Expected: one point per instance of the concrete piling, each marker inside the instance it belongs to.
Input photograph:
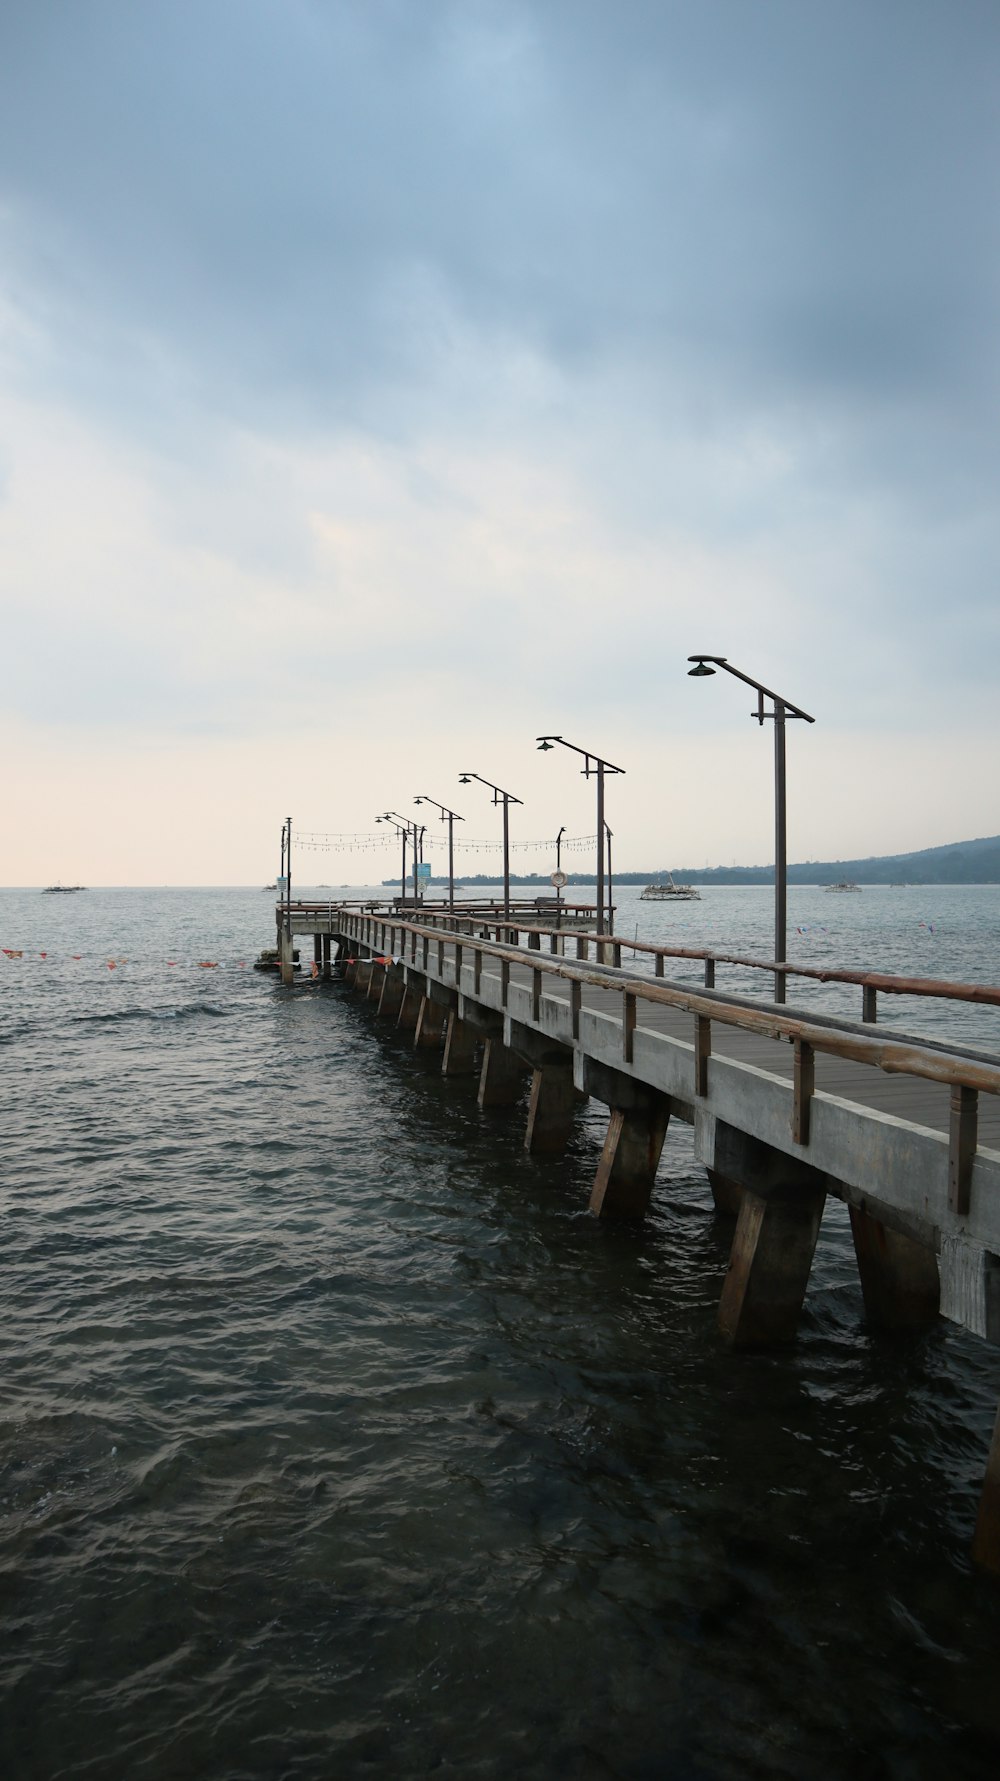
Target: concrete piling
(899, 1277)
(501, 1078)
(630, 1157)
(460, 1047)
(551, 1108)
(772, 1253)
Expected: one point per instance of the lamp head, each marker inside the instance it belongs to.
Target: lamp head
(701, 668)
(544, 745)
(464, 779)
(418, 800)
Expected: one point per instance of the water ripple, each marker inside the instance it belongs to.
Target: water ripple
(337, 1438)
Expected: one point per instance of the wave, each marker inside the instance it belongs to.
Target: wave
(186, 1011)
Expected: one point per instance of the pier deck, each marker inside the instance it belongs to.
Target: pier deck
(787, 1107)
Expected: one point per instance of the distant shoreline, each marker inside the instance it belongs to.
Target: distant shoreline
(959, 862)
(724, 877)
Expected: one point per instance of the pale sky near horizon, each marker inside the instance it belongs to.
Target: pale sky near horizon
(386, 382)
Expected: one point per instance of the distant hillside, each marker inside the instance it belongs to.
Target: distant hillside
(960, 862)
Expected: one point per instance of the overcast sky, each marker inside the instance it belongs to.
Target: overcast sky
(385, 382)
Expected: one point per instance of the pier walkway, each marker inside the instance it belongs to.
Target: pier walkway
(787, 1105)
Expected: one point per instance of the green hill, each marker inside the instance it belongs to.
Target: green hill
(960, 862)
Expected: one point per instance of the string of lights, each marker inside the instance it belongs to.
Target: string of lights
(316, 841)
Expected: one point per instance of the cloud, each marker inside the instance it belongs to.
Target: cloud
(369, 358)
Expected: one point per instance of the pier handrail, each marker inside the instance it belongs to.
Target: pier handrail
(896, 1056)
(965, 1077)
(892, 984)
(870, 982)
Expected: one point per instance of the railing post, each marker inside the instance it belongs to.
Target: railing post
(575, 1004)
(709, 973)
(803, 1087)
(962, 1138)
(536, 995)
(628, 1026)
(869, 1003)
(702, 1053)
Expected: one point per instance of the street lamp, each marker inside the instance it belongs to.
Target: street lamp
(410, 824)
(559, 837)
(403, 832)
(451, 817)
(781, 708)
(592, 763)
(286, 836)
(507, 798)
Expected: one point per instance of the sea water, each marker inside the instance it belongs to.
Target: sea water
(337, 1439)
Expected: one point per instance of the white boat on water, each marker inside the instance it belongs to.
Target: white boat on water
(666, 891)
(844, 885)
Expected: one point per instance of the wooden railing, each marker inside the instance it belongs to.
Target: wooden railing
(966, 1076)
(871, 983)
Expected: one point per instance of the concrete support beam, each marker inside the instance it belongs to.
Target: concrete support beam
(390, 1000)
(429, 1032)
(409, 1007)
(550, 1111)
(287, 958)
(627, 1169)
(899, 1278)
(536, 1049)
(769, 1266)
(443, 995)
(986, 1543)
(325, 957)
(474, 1014)
(970, 1286)
(501, 1078)
(726, 1193)
(376, 982)
(363, 975)
(460, 1047)
(614, 1087)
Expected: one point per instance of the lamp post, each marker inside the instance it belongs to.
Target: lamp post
(592, 763)
(559, 837)
(408, 823)
(288, 874)
(402, 828)
(451, 817)
(780, 710)
(508, 798)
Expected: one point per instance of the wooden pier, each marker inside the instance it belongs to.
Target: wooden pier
(787, 1106)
